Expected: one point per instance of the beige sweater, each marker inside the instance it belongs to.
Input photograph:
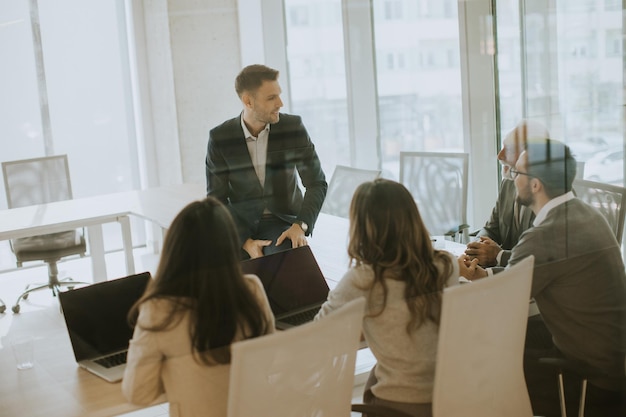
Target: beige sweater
(405, 366)
(161, 362)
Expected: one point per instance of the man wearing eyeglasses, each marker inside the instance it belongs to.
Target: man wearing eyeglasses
(508, 219)
(579, 282)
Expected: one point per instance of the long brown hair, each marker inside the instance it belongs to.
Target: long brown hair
(199, 272)
(388, 234)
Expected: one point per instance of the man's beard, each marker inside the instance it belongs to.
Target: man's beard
(525, 201)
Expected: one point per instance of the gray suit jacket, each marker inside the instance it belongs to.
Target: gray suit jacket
(579, 284)
(501, 226)
(231, 177)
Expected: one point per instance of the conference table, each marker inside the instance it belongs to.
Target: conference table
(56, 386)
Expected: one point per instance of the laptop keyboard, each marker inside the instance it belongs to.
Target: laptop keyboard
(300, 318)
(112, 360)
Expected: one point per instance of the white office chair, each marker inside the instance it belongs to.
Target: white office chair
(480, 350)
(343, 183)
(304, 371)
(438, 183)
(481, 347)
(39, 181)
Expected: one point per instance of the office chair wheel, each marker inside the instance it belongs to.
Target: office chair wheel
(3, 309)
(25, 297)
(16, 308)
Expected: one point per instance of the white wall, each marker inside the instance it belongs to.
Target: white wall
(193, 57)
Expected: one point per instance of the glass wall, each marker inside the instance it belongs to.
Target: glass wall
(317, 76)
(418, 78)
(570, 77)
(64, 83)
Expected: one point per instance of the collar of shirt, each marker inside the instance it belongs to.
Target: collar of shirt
(556, 201)
(246, 132)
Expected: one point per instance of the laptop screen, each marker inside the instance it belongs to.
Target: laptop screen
(292, 279)
(96, 315)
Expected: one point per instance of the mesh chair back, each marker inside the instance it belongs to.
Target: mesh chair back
(304, 371)
(343, 183)
(481, 347)
(609, 199)
(37, 181)
(438, 183)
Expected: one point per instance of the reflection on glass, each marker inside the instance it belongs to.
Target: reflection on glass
(571, 70)
(317, 76)
(418, 77)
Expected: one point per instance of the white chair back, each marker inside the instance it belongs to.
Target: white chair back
(304, 371)
(37, 181)
(342, 186)
(481, 346)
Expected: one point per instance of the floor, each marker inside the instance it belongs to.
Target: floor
(13, 280)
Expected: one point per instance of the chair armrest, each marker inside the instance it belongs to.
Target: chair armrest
(377, 411)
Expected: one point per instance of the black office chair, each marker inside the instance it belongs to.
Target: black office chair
(582, 372)
(39, 181)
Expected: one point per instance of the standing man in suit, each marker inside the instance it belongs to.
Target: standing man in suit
(579, 282)
(252, 166)
(508, 219)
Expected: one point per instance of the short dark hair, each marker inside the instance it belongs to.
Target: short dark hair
(251, 77)
(552, 163)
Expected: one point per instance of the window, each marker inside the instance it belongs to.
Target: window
(317, 81)
(419, 109)
(85, 83)
(571, 79)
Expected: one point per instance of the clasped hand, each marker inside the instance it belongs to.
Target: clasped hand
(485, 250)
(469, 268)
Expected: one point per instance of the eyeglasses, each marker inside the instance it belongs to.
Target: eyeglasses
(515, 173)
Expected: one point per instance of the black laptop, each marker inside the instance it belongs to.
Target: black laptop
(293, 282)
(96, 321)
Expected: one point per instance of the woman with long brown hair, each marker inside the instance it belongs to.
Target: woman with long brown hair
(197, 305)
(395, 267)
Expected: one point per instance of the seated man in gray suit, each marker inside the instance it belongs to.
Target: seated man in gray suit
(579, 282)
(252, 166)
(508, 219)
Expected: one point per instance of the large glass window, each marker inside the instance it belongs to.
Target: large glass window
(317, 76)
(571, 77)
(66, 90)
(418, 78)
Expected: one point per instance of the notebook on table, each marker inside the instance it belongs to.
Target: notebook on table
(96, 321)
(293, 282)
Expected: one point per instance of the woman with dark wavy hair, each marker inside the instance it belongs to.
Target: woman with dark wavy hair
(395, 267)
(198, 304)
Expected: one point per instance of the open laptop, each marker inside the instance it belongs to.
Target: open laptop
(96, 322)
(293, 282)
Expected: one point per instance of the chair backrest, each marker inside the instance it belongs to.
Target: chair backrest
(37, 181)
(343, 183)
(481, 346)
(438, 183)
(304, 371)
(609, 199)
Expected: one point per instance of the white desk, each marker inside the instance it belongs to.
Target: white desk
(329, 244)
(55, 386)
(159, 205)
